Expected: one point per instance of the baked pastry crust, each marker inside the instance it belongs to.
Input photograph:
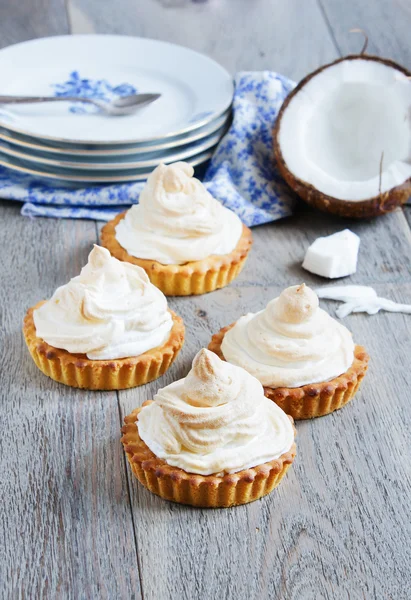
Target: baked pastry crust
(316, 399)
(76, 370)
(191, 278)
(209, 491)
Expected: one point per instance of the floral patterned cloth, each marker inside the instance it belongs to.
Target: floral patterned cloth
(241, 173)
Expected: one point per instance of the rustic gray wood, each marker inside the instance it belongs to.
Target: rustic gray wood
(316, 535)
(387, 23)
(66, 524)
(292, 543)
(279, 249)
(27, 19)
(338, 526)
(74, 521)
(289, 37)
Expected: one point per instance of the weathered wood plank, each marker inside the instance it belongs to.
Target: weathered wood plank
(338, 526)
(27, 19)
(262, 34)
(65, 514)
(279, 249)
(315, 536)
(387, 23)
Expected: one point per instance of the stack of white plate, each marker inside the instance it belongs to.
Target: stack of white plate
(75, 143)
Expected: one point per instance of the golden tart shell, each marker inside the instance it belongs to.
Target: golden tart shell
(191, 278)
(209, 491)
(316, 399)
(76, 370)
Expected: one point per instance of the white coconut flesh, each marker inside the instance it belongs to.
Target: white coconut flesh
(340, 125)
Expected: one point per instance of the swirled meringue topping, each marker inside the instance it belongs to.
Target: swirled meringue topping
(109, 311)
(216, 420)
(292, 342)
(177, 220)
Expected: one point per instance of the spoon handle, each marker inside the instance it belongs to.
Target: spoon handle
(37, 99)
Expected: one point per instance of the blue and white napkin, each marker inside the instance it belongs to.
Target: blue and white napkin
(241, 173)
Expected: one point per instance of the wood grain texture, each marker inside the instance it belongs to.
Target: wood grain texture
(65, 517)
(338, 527)
(387, 23)
(28, 19)
(329, 531)
(262, 34)
(279, 249)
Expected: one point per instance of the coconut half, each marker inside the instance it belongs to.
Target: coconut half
(342, 140)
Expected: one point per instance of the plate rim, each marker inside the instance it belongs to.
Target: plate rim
(194, 161)
(213, 140)
(220, 121)
(186, 129)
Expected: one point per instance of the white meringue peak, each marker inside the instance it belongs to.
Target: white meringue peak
(109, 311)
(177, 220)
(291, 343)
(214, 421)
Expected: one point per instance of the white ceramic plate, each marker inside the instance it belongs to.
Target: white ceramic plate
(68, 151)
(58, 177)
(139, 161)
(195, 89)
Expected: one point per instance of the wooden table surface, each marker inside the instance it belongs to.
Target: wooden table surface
(74, 522)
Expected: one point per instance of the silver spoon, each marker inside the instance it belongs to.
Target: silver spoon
(122, 105)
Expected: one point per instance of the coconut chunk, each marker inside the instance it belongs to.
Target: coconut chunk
(334, 255)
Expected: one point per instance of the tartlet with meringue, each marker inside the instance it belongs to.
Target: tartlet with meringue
(186, 241)
(211, 439)
(306, 360)
(109, 328)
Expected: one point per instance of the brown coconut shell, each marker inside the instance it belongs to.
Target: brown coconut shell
(378, 205)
